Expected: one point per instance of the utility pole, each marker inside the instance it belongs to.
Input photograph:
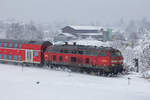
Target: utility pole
(136, 64)
(129, 80)
(22, 67)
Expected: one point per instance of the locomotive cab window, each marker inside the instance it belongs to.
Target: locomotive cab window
(115, 53)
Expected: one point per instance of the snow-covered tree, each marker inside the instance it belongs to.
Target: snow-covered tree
(145, 54)
(14, 31)
(24, 32)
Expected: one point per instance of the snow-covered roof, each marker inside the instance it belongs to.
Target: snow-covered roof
(91, 34)
(87, 27)
(67, 34)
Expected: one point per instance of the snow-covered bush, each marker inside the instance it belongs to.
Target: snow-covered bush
(146, 74)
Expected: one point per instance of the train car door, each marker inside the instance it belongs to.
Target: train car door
(29, 55)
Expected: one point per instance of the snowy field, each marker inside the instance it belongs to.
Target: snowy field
(18, 84)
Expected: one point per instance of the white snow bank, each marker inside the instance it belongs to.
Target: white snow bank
(18, 84)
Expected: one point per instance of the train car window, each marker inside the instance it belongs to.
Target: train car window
(5, 56)
(10, 57)
(57, 50)
(36, 53)
(19, 58)
(20, 46)
(80, 52)
(10, 45)
(102, 53)
(61, 51)
(74, 51)
(87, 60)
(54, 50)
(85, 52)
(51, 50)
(15, 57)
(54, 57)
(0, 44)
(65, 51)
(70, 51)
(73, 59)
(5, 45)
(0, 56)
(15, 45)
(92, 52)
(60, 58)
(89, 52)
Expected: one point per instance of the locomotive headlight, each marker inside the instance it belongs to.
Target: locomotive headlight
(114, 61)
(104, 60)
(46, 55)
(113, 64)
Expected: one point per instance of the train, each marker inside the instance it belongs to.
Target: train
(81, 58)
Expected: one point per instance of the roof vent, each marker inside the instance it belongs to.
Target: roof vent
(66, 43)
(74, 43)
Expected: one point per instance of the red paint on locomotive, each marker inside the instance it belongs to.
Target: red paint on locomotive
(85, 56)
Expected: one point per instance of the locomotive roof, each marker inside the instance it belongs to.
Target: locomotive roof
(82, 47)
(23, 41)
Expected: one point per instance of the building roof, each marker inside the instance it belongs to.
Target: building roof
(87, 27)
(67, 34)
(91, 34)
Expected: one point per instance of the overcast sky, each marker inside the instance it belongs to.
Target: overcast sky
(81, 11)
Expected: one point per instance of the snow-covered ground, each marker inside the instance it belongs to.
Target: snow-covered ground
(18, 84)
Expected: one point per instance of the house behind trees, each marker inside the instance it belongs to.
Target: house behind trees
(96, 32)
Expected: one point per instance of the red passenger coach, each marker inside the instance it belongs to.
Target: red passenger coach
(20, 51)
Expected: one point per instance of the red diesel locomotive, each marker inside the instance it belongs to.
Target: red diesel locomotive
(85, 58)
(25, 52)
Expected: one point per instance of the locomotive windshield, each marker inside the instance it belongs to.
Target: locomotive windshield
(115, 53)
